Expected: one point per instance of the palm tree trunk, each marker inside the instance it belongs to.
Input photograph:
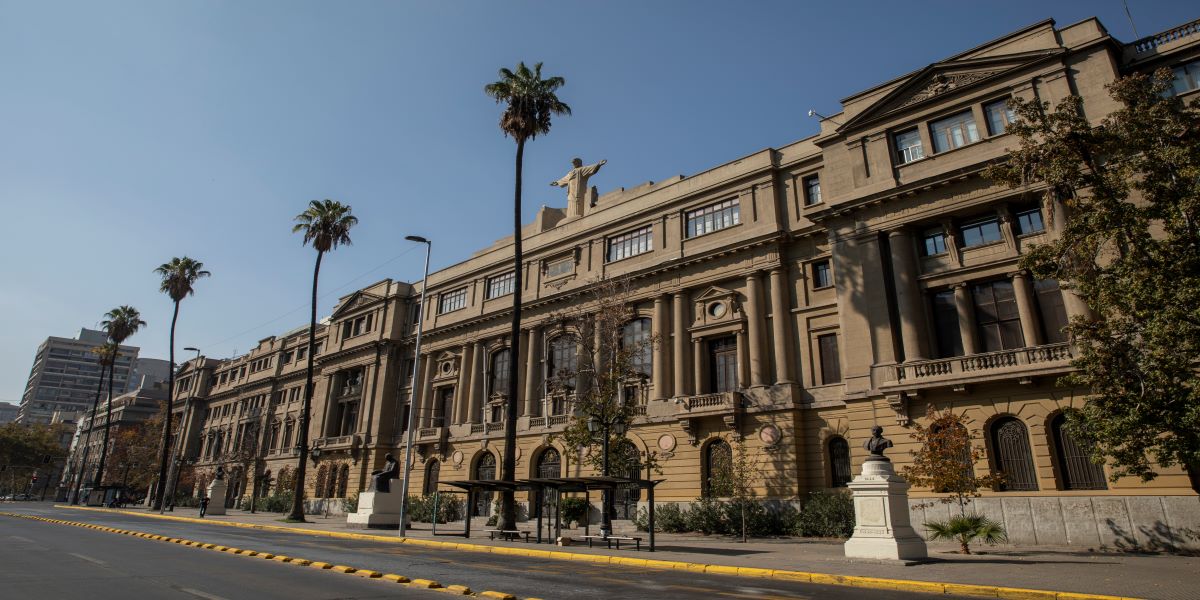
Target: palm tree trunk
(508, 509)
(107, 417)
(161, 486)
(297, 513)
(87, 439)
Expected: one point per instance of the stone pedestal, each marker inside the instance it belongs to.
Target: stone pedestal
(377, 509)
(216, 497)
(881, 519)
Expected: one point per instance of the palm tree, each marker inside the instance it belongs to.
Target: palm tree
(531, 103)
(326, 225)
(120, 323)
(105, 355)
(965, 528)
(178, 276)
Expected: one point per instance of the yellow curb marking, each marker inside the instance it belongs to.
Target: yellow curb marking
(425, 583)
(395, 578)
(343, 569)
(369, 574)
(461, 590)
(498, 595)
(320, 565)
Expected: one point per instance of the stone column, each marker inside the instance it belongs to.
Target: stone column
(908, 295)
(781, 326)
(679, 349)
(755, 333)
(698, 357)
(966, 318)
(659, 378)
(1030, 327)
(533, 361)
(462, 392)
(1056, 224)
(426, 411)
(743, 360)
(475, 405)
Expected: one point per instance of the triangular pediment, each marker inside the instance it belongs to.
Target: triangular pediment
(940, 79)
(714, 293)
(355, 301)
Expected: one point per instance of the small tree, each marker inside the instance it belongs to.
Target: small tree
(1125, 199)
(945, 464)
(735, 476)
(945, 460)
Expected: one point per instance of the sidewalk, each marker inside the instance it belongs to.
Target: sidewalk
(1075, 570)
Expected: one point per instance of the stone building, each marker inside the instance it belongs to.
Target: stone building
(799, 296)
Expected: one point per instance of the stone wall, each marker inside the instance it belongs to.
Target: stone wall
(1153, 523)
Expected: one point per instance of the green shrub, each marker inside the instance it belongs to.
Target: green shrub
(573, 509)
(668, 518)
(278, 502)
(826, 514)
(450, 508)
(707, 516)
(350, 504)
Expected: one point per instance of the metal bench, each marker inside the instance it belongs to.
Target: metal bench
(609, 540)
(508, 534)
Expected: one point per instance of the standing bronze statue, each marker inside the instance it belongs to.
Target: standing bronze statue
(877, 444)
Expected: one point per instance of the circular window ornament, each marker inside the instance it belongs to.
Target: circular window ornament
(717, 310)
(770, 435)
(446, 366)
(666, 442)
(457, 457)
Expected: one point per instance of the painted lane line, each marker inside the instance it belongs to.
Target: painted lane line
(200, 594)
(88, 558)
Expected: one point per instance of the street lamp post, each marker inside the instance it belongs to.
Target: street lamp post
(173, 477)
(614, 425)
(412, 396)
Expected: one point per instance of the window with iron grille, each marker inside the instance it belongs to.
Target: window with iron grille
(501, 285)
(451, 301)
(1013, 457)
(632, 243)
(839, 462)
(1075, 467)
(713, 217)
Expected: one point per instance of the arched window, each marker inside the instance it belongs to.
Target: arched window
(498, 383)
(635, 340)
(343, 481)
(485, 470)
(562, 363)
(432, 472)
(322, 480)
(287, 433)
(283, 482)
(839, 462)
(628, 464)
(1074, 465)
(1014, 459)
(718, 466)
(549, 464)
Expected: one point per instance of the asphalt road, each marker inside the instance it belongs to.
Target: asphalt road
(46, 560)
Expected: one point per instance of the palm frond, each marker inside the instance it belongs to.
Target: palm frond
(325, 224)
(121, 323)
(531, 101)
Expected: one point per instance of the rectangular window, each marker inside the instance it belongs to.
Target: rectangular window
(933, 241)
(977, 232)
(1030, 221)
(831, 366)
(633, 243)
(812, 190)
(908, 146)
(1187, 77)
(560, 267)
(953, 132)
(822, 277)
(999, 116)
(945, 324)
(451, 301)
(501, 285)
(414, 313)
(1052, 310)
(997, 317)
(713, 217)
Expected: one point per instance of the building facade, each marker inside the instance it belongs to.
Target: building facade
(798, 296)
(65, 375)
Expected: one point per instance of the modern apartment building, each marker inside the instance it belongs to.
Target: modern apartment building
(65, 375)
(799, 296)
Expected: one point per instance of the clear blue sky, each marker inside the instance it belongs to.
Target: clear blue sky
(131, 132)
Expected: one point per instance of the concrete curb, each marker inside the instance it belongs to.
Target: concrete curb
(931, 587)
